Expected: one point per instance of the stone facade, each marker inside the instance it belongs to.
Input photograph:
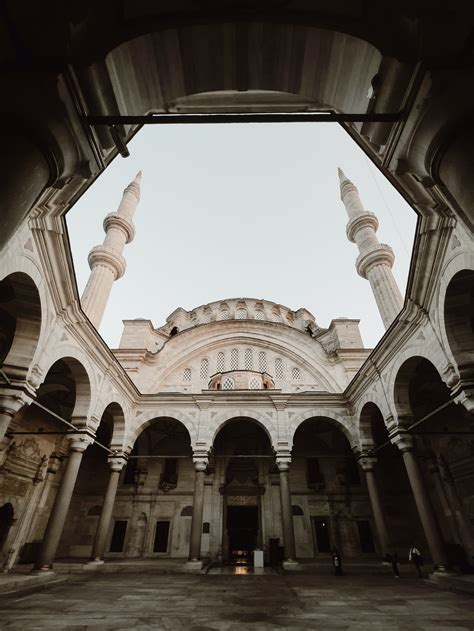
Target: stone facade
(404, 409)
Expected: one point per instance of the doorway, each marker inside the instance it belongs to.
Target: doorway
(365, 536)
(242, 531)
(6, 521)
(321, 534)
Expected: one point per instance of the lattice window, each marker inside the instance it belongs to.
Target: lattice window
(234, 359)
(255, 384)
(276, 317)
(279, 368)
(228, 384)
(248, 359)
(187, 374)
(204, 372)
(224, 314)
(241, 314)
(206, 318)
(220, 364)
(259, 315)
(295, 373)
(262, 361)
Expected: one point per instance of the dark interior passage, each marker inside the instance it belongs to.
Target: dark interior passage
(242, 529)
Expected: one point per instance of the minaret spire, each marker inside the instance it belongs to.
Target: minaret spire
(375, 259)
(106, 261)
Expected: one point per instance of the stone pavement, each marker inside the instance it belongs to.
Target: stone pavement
(140, 602)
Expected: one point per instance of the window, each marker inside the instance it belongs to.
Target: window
(187, 511)
(259, 314)
(169, 474)
(118, 536)
(204, 372)
(161, 536)
(262, 361)
(234, 359)
(241, 314)
(224, 314)
(228, 384)
(255, 384)
(313, 472)
(276, 317)
(248, 359)
(278, 368)
(220, 364)
(296, 510)
(295, 373)
(187, 374)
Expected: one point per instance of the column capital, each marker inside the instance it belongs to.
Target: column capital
(80, 442)
(12, 400)
(117, 462)
(367, 462)
(403, 440)
(283, 463)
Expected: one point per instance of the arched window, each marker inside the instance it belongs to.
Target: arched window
(248, 359)
(262, 361)
(295, 373)
(187, 511)
(259, 315)
(234, 359)
(204, 372)
(241, 314)
(228, 384)
(187, 374)
(255, 384)
(279, 368)
(224, 314)
(276, 317)
(296, 510)
(220, 363)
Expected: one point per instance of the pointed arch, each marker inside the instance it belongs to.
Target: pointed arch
(335, 418)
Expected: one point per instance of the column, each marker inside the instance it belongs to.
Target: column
(283, 464)
(425, 510)
(61, 504)
(116, 464)
(368, 464)
(10, 404)
(194, 561)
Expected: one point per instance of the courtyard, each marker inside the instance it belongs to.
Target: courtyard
(230, 602)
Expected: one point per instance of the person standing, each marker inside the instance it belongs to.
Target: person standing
(394, 562)
(337, 562)
(414, 556)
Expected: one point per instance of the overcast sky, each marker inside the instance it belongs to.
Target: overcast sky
(242, 211)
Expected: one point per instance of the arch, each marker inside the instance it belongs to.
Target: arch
(462, 262)
(147, 418)
(369, 412)
(81, 384)
(334, 418)
(296, 510)
(115, 410)
(21, 316)
(404, 379)
(459, 322)
(225, 418)
(187, 511)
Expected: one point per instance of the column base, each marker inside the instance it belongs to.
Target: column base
(291, 565)
(95, 562)
(42, 569)
(194, 565)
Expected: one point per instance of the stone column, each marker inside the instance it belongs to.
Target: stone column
(61, 504)
(116, 464)
(425, 510)
(10, 404)
(368, 464)
(283, 464)
(194, 561)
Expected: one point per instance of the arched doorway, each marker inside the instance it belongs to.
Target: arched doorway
(156, 485)
(444, 446)
(20, 324)
(326, 484)
(397, 501)
(242, 457)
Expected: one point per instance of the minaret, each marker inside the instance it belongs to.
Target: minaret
(375, 259)
(106, 261)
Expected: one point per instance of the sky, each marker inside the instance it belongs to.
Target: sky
(242, 210)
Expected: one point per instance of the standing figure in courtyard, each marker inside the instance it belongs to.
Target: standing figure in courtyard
(414, 556)
(337, 562)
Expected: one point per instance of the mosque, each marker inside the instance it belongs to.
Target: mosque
(240, 425)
